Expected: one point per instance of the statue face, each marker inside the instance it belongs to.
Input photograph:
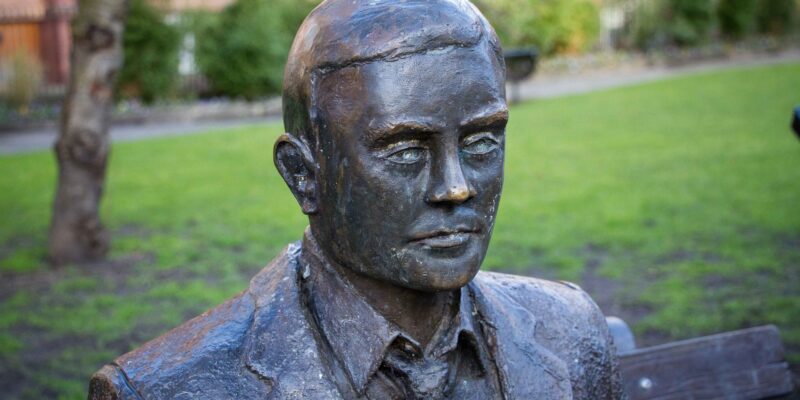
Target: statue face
(411, 166)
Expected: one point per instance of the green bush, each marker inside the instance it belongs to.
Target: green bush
(26, 75)
(151, 48)
(660, 23)
(645, 29)
(776, 17)
(690, 21)
(244, 51)
(554, 26)
(736, 17)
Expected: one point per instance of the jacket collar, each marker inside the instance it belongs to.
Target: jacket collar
(282, 347)
(342, 313)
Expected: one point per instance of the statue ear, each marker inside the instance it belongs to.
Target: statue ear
(296, 165)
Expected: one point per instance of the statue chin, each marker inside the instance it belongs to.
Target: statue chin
(439, 264)
(437, 272)
(439, 279)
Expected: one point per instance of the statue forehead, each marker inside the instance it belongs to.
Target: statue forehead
(474, 78)
(344, 33)
(340, 32)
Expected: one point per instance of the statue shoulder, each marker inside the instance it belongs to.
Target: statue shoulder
(201, 358)
(110, 383)
(545, 298)
(567, 322)
(208, 341)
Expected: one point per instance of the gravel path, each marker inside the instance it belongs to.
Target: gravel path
(22, 142)
(540, 87)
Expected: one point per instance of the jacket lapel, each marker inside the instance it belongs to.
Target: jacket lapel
(282, 348)
(527, 370)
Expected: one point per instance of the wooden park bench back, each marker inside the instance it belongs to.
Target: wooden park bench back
(741, 365)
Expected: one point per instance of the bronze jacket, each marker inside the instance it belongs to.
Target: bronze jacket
(548, 340)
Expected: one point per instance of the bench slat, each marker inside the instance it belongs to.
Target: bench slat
(741, 365)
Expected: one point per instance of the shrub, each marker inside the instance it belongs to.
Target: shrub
(150, 47)
(659, 23)
(244, 51)
(26, 75)
(736, 17)
(554, 26)
(776, 17)
(690, 21)
(645, 29)
(579, 26)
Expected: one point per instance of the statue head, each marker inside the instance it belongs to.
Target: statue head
(395, 116)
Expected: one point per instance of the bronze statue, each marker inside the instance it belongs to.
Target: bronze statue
(395, 115)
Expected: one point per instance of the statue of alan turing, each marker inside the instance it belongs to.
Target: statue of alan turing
(395, 117)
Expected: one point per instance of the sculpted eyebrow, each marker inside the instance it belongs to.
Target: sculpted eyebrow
(386, 131)
(492, 118)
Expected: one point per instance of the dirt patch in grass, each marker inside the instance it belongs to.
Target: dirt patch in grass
(62, 324)
(620, 296)
(45, 355)
(679, 256)
(31, 374)
(113, 270)
(617, 296)
(131, 230)
(17, 242)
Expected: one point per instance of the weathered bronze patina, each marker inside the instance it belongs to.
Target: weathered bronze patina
(395, 115)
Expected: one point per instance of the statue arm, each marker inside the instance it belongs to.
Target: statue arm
(607, 380)
(110, 383)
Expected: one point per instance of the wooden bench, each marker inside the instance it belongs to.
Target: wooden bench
(741, 365)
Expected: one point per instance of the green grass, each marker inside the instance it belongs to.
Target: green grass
(682, 195)
(685, 192)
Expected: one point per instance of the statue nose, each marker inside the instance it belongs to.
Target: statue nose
(450, 185)
(453, 194)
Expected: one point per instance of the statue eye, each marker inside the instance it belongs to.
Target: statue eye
(483, 144)
(409, 155)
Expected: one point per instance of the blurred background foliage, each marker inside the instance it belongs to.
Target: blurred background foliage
(243, 50)
(737, 17)
(25, 79)
(150, 47)
(660, 23)
(240, 52)
(553, 26)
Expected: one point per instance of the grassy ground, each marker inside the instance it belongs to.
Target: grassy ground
(676, 204)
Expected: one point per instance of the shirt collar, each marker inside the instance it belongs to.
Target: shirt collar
(342, 315)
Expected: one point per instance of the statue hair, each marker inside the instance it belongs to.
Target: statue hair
(348, 33)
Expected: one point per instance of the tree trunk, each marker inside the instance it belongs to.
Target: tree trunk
(76, 232)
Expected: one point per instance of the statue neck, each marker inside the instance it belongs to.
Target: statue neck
(417, 313)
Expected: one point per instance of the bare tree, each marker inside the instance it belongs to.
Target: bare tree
(82, 149)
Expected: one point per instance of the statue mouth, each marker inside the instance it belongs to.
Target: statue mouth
(444, 238)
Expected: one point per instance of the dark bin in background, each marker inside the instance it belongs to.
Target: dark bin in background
(520, 65)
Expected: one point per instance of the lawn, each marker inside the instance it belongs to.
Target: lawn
(676, 204)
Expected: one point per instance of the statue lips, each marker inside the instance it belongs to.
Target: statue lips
(444, 238)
